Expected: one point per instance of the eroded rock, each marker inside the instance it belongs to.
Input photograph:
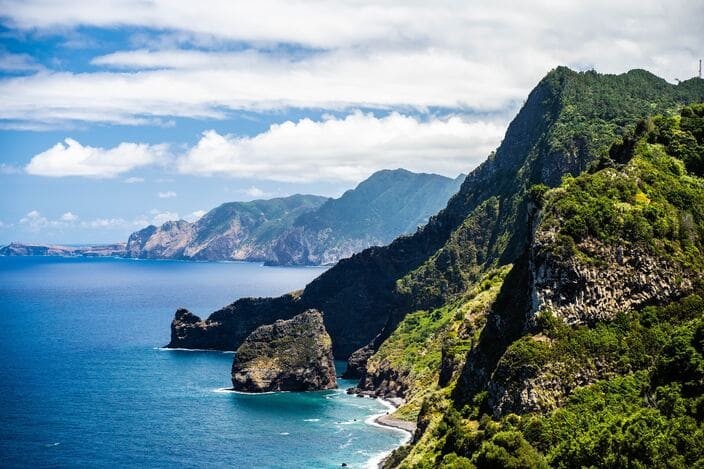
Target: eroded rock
(291, 355)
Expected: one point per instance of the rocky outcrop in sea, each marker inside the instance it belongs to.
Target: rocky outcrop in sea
(288, 355)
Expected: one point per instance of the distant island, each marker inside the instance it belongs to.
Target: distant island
(97, 250)
(294, 230)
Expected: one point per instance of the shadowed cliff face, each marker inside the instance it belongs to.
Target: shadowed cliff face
(484, 225)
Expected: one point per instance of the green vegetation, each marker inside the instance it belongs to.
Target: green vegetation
(265, 218)
(648, 413)
(651, 200)
(569, 123)
(420, 344)
(622, 393)
(388, 203)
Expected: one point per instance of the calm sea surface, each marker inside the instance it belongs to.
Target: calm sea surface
(83, 382)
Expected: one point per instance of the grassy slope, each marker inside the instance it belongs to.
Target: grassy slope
(649, 409)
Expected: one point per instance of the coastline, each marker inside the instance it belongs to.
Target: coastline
(384, 420)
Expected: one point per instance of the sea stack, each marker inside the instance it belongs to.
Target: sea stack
(291, 355)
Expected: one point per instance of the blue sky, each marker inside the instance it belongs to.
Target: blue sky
(117, 114)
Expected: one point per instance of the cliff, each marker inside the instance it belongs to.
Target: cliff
(292, 355)
(303, 229)
(233, 231)
(568, 123)
(386, 205)
(592, 327)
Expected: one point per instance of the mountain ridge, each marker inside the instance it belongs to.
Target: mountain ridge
(301, 229)
(570, 120)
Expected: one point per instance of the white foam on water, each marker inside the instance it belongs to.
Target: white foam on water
(347, 422)
(169, 349)
(232, 391)
(375, 460)
(311, 420)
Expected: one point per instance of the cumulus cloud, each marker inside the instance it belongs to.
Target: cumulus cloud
(74, 159)
(134, 180)
(254, 192)
(34, 221)
(159, 217)
(195, 216)
(69, 217)
(166, 195)
(344, 54)
(348, 148)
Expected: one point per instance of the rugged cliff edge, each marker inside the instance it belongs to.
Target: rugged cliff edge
(568, 122)
(303, 229)
(292, 355)
(596, 330)
(552, 314)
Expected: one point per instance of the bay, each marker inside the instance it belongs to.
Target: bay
(84, 382)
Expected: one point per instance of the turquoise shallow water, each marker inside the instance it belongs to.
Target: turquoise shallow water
(83, 382)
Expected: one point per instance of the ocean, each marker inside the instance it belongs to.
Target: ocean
(84, 381)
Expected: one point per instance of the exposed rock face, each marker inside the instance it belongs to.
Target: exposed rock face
(233, 231)
(303, 229)
(530, 389)
(291, 355)
(217, 333)
(165, 242)
(483, 224)
(357, 362)
(619, 278)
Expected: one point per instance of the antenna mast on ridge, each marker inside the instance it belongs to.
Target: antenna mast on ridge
(700, 68)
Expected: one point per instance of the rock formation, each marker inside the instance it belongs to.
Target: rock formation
(290, 355)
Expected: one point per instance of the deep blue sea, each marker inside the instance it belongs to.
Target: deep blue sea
(83, 382)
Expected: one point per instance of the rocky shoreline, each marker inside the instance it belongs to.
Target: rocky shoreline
(386, 420)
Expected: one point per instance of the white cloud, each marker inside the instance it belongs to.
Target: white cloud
(195, 216)
(458, 54)
(68, 216)
(332, 80)
(167, 195)
(255, 192)
(105, 223)
(348, 148)
(133, 180)
(10, 62)
(35, 221)
(159, 218)
(74, 159)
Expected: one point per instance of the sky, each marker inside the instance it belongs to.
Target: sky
(116, 114)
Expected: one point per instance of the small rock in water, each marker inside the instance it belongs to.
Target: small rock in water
(291, 355)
